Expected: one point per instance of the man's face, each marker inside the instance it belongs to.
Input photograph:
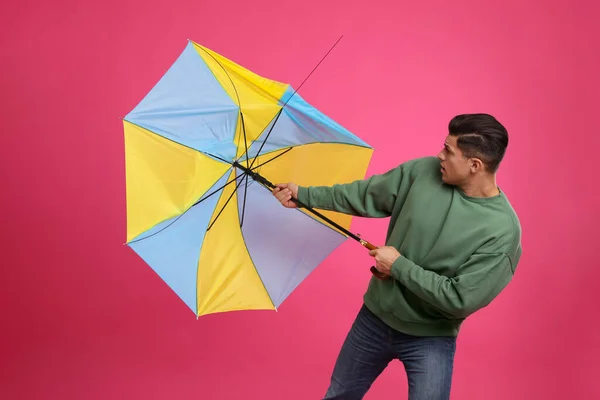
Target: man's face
(454, 166)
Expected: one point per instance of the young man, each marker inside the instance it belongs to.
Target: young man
(453, 244)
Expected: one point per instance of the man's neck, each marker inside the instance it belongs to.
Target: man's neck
(485, 187)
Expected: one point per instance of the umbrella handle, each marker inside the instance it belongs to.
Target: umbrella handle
(374, 270)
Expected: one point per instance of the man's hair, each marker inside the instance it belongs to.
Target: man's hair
(481, 136)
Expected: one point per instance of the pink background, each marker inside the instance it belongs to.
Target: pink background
(84, 318)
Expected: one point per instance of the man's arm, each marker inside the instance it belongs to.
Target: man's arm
(373, 197)
(477, 282)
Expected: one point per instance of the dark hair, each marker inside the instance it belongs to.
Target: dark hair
(481, 136)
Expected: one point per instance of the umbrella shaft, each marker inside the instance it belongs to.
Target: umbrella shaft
(261, 179)
(254, 175)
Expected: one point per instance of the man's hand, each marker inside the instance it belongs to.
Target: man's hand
(384, 258)
(284, 192)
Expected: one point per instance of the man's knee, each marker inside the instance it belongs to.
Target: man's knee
(347, 389)
(430, 371)
(432, 386)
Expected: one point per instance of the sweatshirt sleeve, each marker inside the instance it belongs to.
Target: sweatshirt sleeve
(373, 197)
(476, 284)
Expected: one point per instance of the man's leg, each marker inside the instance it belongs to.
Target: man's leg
(364, 355)
(429, 363)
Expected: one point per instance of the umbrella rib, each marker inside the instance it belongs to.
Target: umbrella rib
(314, 69)
(237, 95)
(219, 158)
(284, 104)
(227, 202)
(244, 133)
(265, 141)
(245, 196)
(181, 215)
(226, 73)
(179, 143)
(215, 191)
(271, 159)
(246, 176)
(246, 185)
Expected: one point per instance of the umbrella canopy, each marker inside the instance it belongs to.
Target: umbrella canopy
(202, 149)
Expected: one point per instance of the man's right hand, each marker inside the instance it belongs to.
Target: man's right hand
(284, 192)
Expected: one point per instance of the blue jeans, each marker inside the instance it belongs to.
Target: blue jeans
(371, 345)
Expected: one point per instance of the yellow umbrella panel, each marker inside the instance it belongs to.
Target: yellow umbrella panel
(202, 148)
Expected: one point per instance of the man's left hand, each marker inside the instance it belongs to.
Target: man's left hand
(384, 257)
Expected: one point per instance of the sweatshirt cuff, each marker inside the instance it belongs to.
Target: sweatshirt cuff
(401, 268)
(303, 195)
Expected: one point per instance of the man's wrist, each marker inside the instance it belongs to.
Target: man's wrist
(400, 267)
(301, 194)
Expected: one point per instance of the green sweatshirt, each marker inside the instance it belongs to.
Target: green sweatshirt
(457, 252)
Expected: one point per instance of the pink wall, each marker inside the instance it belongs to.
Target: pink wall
(84, 318)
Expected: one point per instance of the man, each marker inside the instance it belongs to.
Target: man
(452, 245)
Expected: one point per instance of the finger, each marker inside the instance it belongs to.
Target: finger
(286, 195)
(284, 200)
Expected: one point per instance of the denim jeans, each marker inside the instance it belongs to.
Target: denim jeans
(371, 345)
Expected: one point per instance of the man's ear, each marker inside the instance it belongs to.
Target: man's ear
(476, 165)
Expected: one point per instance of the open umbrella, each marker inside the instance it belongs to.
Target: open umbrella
(203, 149)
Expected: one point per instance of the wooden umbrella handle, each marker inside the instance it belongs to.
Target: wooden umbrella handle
(374, 270)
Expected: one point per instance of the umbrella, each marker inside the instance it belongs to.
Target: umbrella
(202, 150)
